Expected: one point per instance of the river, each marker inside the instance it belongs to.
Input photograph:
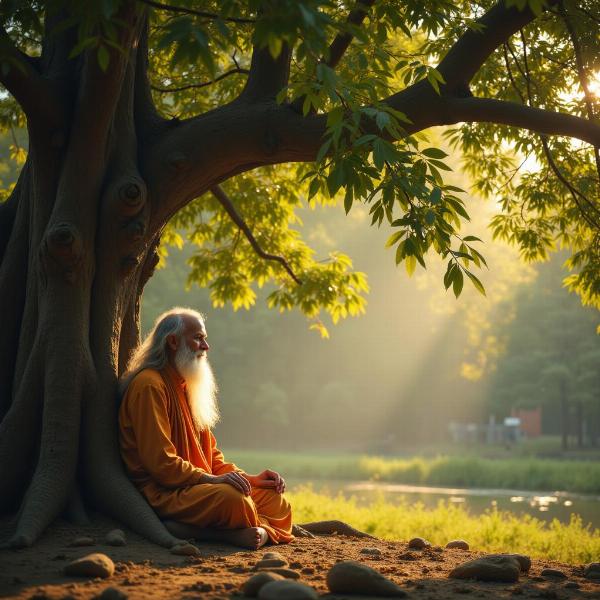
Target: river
(542, 505)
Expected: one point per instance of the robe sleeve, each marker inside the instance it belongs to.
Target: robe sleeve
(219, 466)
(157, 453)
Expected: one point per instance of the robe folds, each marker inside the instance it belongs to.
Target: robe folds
(166, 457)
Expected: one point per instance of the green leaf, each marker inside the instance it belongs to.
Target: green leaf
(103, 57)
(478, 285)
(394, 238)
(410, 263)
(434, 153)
(457, 282)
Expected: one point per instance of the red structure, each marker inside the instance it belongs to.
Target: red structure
(531, 420)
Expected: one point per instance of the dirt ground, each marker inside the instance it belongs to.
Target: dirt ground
(144, 570)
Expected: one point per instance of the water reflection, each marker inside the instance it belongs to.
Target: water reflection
(543, 505)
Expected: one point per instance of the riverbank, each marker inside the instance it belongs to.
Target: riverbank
(493, 531)
(527, 473)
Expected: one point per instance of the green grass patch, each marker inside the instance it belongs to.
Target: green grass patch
(494, 531)
(470, 471)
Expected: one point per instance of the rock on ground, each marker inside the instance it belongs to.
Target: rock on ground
(252, 586)
(111, 593)
(556, 573)
(418, 543)
(83, 540)
(504, 568)
(592, 571)
(351, 577)
(91, 565)
(283, 571)
(458, 544)
(115, 537)
(371, 551)
(287, 590)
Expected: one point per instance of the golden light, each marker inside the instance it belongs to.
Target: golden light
(594, 84)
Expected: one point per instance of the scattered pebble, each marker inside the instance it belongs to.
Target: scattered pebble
(267, 563)
(115, 537)
(308, 571)
(371, 551)
(351, 577)
(556, 573)
(252, 586)
(592, 571)
(91, 565)
(503, 568)
(418, 543)
(111, 593)
(458, 544)
(273, 556)
(573, 585)
(185, 549)
(284, 572)
(83, 540)
(287, 590)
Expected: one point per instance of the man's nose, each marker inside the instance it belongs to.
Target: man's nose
(204, 345)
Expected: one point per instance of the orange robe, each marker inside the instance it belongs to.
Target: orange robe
(165, 458)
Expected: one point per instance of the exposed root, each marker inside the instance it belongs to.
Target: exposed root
(333, 528)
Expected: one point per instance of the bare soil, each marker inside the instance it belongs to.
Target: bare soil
(144, 570)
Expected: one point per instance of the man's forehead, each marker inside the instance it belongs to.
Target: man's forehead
(194, 324)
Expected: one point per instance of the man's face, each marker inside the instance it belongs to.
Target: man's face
(194, 336)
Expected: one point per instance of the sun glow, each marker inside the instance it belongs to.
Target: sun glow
(594, 84)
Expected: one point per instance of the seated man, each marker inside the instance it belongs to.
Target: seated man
(170, 453)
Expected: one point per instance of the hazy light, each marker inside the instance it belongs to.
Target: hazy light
(594, 84)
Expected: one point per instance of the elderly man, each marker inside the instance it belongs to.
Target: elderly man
(168, 410)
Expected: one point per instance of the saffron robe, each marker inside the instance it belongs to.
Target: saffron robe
(166, 458)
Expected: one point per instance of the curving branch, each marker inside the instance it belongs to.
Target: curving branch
(342, 41)
(19, 75)
(473, 48)
(227, 204)
(183, 88)
(182, 10)
(487, 110)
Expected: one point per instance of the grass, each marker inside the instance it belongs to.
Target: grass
(494, 531)
(525, 473)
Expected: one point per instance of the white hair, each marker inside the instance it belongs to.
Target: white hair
(152, 352)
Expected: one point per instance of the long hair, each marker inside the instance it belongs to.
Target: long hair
(152, 352)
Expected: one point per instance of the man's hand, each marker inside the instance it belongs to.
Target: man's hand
(268, 479)
(235, 479)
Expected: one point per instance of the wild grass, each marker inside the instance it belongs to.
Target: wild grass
(494, 531)
(470, 471)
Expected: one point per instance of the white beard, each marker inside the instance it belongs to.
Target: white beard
(201, 386)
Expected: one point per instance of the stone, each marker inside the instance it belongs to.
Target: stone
(186, 549)
(573, 585)
(556, 573)
(83, 540)
(458, 545)
(273, 556)
(524, 561)
(418, 543)
(111, 593)
(371, 551)
(504, 568)
(284, 572)
(287, 590)
(115, 537)
(351, 577)
(267, 563)
(252, 586)
(91, 565)
(592, 571)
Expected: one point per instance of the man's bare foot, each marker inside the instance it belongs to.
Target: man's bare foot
(252, 538)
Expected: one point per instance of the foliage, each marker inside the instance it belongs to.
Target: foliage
(199, 60)
(494, 531)
(458, 471)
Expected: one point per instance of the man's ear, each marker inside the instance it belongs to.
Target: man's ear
(172, 341)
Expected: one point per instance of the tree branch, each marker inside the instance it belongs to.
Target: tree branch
(473, 48)
(487, 110)
(191, 11)
(229, 207)
(342, 41)
(267, 75)
(21, 78)
(167, 90)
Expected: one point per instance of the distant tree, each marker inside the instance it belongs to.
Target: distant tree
(134, 109)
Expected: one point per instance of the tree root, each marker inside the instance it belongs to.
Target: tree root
(329, 528)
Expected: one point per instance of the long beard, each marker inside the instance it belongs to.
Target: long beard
(201, 387)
